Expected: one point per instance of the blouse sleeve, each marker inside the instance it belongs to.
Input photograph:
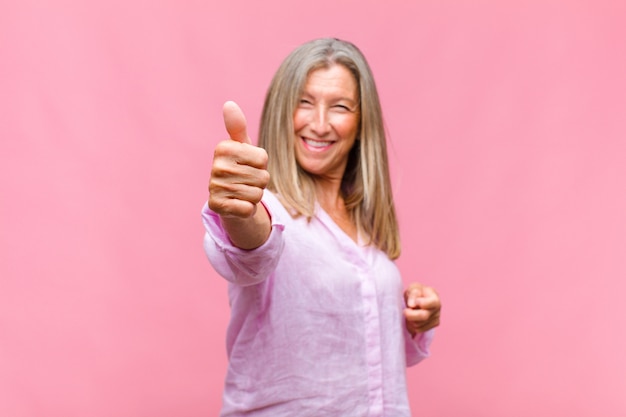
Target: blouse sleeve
(418, 347)
(240, 266)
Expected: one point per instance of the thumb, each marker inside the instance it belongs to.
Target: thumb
(412, 294)
(235, 122)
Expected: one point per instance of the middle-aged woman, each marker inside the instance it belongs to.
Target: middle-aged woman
(304, 229)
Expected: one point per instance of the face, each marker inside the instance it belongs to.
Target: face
(326, 121)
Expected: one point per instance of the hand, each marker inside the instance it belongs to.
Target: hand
(239, 174)
(423, 308)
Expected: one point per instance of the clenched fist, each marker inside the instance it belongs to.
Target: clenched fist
(423, 308)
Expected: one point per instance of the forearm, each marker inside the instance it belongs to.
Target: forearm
(251, 232)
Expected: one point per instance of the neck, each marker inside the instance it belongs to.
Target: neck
(328, 194)
(329, 198)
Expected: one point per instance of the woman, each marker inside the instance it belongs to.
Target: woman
(304, 229)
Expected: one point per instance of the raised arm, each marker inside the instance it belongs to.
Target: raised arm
(238, 178)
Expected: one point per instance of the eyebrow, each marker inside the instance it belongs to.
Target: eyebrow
(341, 98)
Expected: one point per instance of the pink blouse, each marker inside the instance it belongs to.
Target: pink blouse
(316, 324)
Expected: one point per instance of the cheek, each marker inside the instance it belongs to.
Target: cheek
(299, 120)
(348, 128)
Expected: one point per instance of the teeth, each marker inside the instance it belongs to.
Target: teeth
(316, 143)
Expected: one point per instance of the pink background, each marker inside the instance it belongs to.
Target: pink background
(507, 123)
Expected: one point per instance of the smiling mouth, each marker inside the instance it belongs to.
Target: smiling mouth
(318, 144)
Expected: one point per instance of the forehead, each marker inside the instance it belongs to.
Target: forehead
(334, 78)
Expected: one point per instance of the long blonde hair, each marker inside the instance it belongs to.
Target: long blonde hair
(366, 186)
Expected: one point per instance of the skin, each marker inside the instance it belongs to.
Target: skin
(238, 178)
(423, 311)
(326, 123)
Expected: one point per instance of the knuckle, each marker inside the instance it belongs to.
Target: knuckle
(222, 148)
(247, 209)
(217, 205)
(217, 187)
(264, 178)
(219, 168)
(256, 195)
(263, 157)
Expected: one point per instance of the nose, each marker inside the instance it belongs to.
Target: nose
(320, 123)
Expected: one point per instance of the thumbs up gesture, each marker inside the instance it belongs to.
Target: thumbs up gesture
(238, 178)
